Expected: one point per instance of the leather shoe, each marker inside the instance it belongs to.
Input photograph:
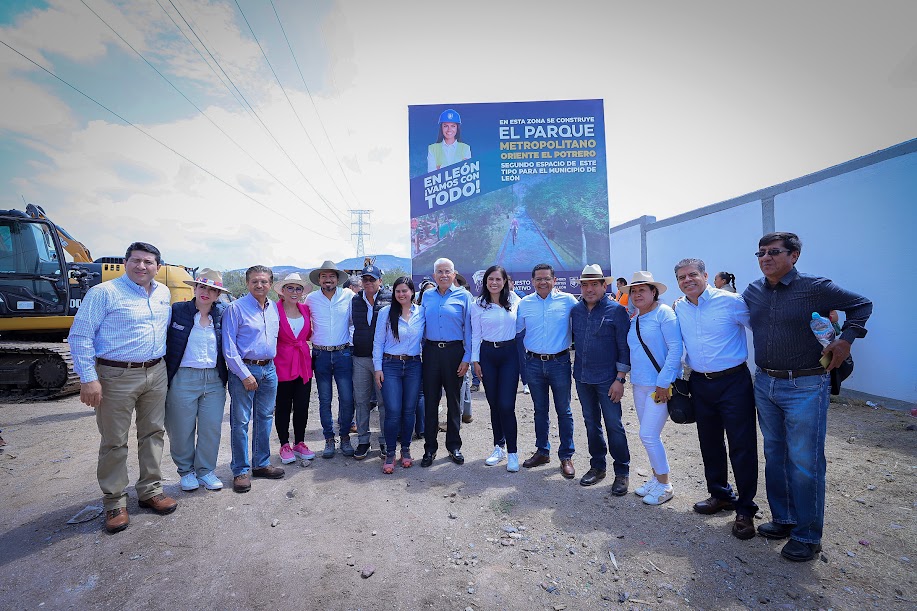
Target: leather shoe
(242, 483)
(457, 457)
(773, 530)
(566, 468)
(116, 519)
(535, 460)
(268, 472)
(744, 527)
(797, 551)
(619, 487)
(592, 477)
(713, 505)
(428, 458)
(467, 418)
(160, 503)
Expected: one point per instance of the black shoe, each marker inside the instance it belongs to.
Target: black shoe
(797, 551)
(713, 505)
(773, 530)
(619, 487)
(428, 458)
(457, 457)
(382, 453)
(361, 451)
(592, 477)
(744, 527)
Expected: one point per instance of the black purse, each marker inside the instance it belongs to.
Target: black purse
(680, 404)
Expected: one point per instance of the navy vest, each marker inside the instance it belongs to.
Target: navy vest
(362, 332)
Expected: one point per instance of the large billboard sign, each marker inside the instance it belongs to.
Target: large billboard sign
(512, 184)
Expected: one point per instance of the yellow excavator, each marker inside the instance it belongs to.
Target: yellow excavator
(40, 292)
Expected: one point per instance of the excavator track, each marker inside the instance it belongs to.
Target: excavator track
(32, 370)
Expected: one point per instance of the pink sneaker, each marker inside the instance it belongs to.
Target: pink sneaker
(302, 451)
(286, 454)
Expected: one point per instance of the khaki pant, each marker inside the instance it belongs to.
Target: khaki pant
(125, 391)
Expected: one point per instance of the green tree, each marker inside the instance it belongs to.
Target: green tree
(393, 274)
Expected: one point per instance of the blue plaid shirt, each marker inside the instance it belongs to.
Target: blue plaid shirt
(119, 321)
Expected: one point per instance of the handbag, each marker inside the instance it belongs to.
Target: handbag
(680, 404)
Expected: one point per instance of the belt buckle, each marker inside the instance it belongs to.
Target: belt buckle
(440, 344)
(708, 376)
(496, 344)
(545, 357)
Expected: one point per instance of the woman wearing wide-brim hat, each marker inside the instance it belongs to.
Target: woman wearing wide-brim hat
(294, 368)
(656, 327)
(197, 382)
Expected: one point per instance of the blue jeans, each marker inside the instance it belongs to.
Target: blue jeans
(245, 406)
(337, 365)
(553, 374)
(793, 416)
(500, 368)
(597, 405)
(196, 400)
(400, 391)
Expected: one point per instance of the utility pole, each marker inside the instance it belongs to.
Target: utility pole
(359, 229)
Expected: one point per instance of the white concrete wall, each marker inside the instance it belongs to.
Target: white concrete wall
(625, 252)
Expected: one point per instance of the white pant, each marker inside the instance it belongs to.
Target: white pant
(652, 418)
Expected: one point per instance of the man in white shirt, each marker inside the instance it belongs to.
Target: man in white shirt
(713, 323)
(332, 360)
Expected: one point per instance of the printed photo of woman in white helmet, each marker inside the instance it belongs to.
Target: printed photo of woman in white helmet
(448, 148)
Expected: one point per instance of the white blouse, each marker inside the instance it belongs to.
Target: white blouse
(201, 350)
(491, 324)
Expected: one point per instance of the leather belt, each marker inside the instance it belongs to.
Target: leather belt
(719, 374)
(506, 342)
(444, 344)
(261, 362)
(331, 348)
(797, 373)
(546, 357)
(401, 357)
(124, 365)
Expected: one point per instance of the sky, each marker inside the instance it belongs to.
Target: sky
(234, 166)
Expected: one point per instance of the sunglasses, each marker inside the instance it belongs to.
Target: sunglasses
(772, 252)
(293, 288)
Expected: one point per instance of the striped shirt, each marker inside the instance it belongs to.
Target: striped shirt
(119, 321)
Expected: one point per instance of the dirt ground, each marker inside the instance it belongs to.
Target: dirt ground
(447, 537)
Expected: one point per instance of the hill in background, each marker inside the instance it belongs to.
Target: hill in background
(385, 262)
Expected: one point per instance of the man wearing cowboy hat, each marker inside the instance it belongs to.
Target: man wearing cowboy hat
(250, 328)
(331, 352)
(600, 326)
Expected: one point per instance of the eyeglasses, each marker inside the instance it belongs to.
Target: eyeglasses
(369, 279)
(444, 272)
(772, 252)
(293, 288)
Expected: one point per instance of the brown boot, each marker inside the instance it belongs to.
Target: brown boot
(160, 503)
(116, 519)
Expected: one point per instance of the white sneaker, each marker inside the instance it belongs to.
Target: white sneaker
(512, 462)
(659, 494)
(645, 488)
(189, 482)
(211, 481)
(498, 455)
(525, 389)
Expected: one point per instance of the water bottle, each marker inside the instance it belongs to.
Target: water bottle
(822, 328)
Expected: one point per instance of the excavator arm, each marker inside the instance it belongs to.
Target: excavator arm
(77, 249)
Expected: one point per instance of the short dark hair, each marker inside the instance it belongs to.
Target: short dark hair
(259, 269)
(698, 263)
(460, 280)
(351, 282)
(143, 246)
(546, 266)
(620, 281)
(790, 241)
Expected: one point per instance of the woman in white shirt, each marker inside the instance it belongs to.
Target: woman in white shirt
(396, 361)
(496, 361)
(656, 325)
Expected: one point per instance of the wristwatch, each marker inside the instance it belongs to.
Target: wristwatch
(621, 380)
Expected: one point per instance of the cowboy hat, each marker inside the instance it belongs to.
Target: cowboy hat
(209, 278)
(594, 272)
(327, 266)
(643, 278)
(291, 278)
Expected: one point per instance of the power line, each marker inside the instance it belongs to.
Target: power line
(311, 99)
(250, 109)
(360, 229)
(158, 141)
(293, 108)
(197, 108)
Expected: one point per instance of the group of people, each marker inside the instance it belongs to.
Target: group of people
(416, 349)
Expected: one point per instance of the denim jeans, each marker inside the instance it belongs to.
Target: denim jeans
(364, 382)
(793, 416)
(247, 406)
(336, 366)
(400, 390)
(196, 401)
(420, 415)
(553, 375)
(500, 368)
(597, 405)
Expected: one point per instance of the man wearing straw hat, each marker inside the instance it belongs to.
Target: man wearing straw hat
(331, 352)
(601, 361)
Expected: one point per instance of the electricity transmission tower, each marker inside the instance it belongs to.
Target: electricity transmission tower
(359, 229)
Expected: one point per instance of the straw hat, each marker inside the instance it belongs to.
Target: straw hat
(209, 278)
(327, 266)
(292, 278)
(594, 272)
(643, 278)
